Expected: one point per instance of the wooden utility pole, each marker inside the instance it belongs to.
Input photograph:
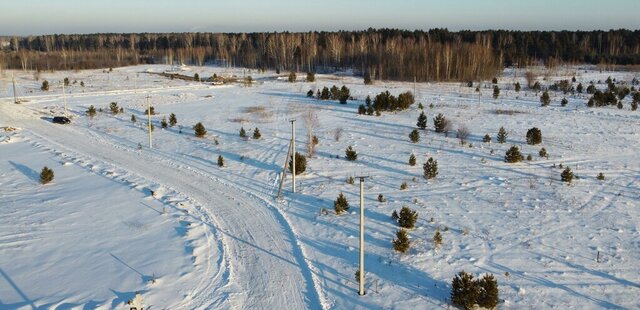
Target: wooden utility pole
(149, 123)
(361, 273)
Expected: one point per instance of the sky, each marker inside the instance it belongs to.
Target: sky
(34, 17)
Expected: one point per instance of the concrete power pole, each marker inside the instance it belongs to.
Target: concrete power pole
(64, 98)
(293, 153)
(361, 278)
(149, 123)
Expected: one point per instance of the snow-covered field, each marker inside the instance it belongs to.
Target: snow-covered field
(169, 223)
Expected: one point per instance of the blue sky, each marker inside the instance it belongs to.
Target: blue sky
(25, 17)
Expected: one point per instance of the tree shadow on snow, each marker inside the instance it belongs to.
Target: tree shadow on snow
(28, 172)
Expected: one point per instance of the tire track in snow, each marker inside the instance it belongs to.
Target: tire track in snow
(242, 225)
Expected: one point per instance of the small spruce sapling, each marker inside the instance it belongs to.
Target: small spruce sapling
(412, 160)
(301, 163)
(422, 121)
(567, 175)
(486, 138)
(341, 204)
(430, 168)
(220, 161)
(407, 218)
(437, 239)
(256, 133)
(46, 175)
(91, 111)
(401, 243)
(351, 154)
(502, 135)
(513, 155)
(199, 130)
(173, 120)
(414, 136)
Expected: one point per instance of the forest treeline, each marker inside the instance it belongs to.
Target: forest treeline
(434, 55)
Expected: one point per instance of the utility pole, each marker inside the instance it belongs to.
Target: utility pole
(64, 98)
(293, 153)
(361, 278)
(15, 95)
(415, 80)
(149, 119)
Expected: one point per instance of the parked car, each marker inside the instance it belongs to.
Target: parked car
(61, 120)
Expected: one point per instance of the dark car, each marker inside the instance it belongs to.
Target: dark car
(61, 120)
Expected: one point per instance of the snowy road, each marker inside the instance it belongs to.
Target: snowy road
(260, 266)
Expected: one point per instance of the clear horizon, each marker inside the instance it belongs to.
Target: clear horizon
(32, 17)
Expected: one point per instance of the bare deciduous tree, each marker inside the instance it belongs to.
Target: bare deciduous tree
(463, 133)
(311, 122)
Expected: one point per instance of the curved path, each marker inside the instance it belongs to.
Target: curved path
(261, 264)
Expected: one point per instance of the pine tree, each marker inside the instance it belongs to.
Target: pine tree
(243, 133)
(66, 81)
(164, 123)
(311, 77)
(45, 85)
(564, 102)
(199, 129)
(362, 110)
(173, 120)
(580, 88)
(407, 218)
(292, 77)
(600, 176)
(545, 99)
(301, 163)
(439, 122)
(486, 138)
(46, 175)
(91, 111)
(494, 80)
(488, 295)
(534, 136)
(414, 136)
(513, 155)
(464, 291)
(310, 93)
(367, 78)
(220, 161)
(502, 135)
(133, 118)
(341, 204)
(437, 239)
(422, 121)
(114, 108)
(496, 92)
(517, 87)
(256, 133)
(351, 153)
(543, 153)
(566, 175)
(412, 160)
(430, 168)
(196, 77)
(401, 243)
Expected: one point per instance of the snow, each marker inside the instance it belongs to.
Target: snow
(169, 223)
